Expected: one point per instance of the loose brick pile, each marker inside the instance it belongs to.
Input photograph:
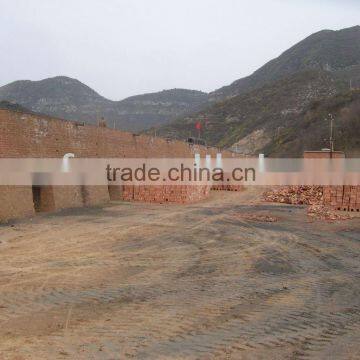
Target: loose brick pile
(323, 212)
(324, 201)
(295, 195)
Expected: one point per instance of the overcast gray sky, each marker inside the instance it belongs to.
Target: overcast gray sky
(127, 47)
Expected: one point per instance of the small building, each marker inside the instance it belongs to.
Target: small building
(324, 154)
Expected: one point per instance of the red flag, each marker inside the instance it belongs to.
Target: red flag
(198, 125)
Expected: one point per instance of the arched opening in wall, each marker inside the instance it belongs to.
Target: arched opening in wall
(115, 192)
(43, 198)
(84, 194)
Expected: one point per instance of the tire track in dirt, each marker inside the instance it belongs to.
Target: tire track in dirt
(181, 282)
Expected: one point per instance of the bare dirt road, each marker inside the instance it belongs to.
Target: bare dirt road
(212, 280)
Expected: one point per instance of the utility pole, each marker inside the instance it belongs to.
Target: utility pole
(331, 134)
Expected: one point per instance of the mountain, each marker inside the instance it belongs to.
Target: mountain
(255, 114)
(325, 50)
(261, 112)
(144, 111)
(310, 130)
(68, 98)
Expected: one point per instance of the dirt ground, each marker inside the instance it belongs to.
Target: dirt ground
(213, 280)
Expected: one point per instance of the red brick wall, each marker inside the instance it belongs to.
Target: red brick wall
(25, 135)
(15, 202)
(28, 135)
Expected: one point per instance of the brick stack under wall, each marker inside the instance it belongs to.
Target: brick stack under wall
(224, 187)
(180, 194)
(345, 198)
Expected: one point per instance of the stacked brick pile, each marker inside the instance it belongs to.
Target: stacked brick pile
(346, 198)
(180, 194)
(227, 187)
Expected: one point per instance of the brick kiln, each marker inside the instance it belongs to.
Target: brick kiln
(27, 135)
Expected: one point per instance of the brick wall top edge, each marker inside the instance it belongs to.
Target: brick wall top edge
(58, 119)
(46, 136)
